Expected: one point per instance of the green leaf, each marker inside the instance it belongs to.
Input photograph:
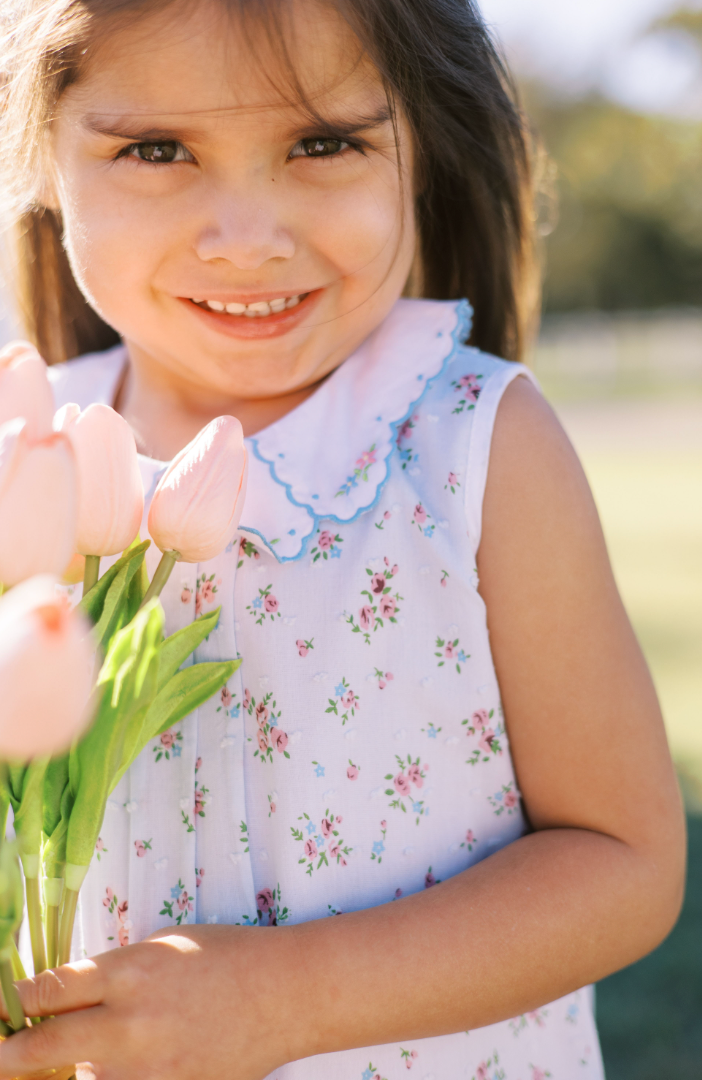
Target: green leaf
(127, 685)
(92, 603)
(29, 817)
(178, 647)
(115, 607)
(11, 892)
(55, 783)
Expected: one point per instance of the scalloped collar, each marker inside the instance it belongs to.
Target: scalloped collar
(329, 457)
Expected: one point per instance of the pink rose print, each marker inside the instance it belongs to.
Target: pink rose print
(348, 699)
(100, 848)
(279, 739)
(429, 879)
(352, 772)
(334, 850)
(199, 875)
(198, 603)
(339, 819)
(122, 910)
(402, 784)
(198, 764)
(383, 824)
(247, 700)
(123, 936)
(142, 846)
(264, 899)
(184, 902)
(398, 894)
(366, 617)
(108, 897)
(449, 651)
(510, 800)
(480, 718)
(468, 386)
(326, 828)
(414, 775)
(387, 606)
(208, 592)
(377, 583)
(486, 740)
(186, 594)
(420, 514)
(325, 540)
(310, 848)
(452, 478)
(179, 906)
(470, 837)
(262, 740)
(226, 697)
(167, 739)
(270, 604)
(387, 515)
(409, 1057)
(314, 843)
(505, 801)
(262, 715)
(264, 606)
(303, 647)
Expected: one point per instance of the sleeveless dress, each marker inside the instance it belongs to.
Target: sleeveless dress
(359, 754)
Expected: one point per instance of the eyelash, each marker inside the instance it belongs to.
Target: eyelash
(182, 154)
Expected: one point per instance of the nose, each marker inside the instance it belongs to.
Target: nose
(245, 232)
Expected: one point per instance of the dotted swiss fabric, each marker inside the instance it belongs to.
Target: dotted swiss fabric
(359, 753)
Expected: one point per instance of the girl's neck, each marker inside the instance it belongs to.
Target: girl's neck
(166, 413)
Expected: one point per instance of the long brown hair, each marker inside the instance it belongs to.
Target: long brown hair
(474, 205)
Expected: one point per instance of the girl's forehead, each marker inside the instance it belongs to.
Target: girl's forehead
(206, 59)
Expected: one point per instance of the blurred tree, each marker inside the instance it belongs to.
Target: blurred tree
(629, 190)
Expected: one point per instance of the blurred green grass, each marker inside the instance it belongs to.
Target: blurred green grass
(644, 464)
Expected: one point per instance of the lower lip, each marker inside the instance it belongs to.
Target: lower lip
(265, 327)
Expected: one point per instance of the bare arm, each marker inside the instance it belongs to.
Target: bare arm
(595, 886)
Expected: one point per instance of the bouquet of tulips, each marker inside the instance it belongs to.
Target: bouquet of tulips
(84, 689)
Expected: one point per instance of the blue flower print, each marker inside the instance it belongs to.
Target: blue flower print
(175, 892)
(462, 656)
(366, 1075)
(319, 770)
(417, 807)
(176, 751)
(335, 553)
(428, 530)
(311, 828)
(340, 690)
(257, 602)
(378, 847)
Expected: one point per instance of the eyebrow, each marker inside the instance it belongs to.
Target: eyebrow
(129, 128)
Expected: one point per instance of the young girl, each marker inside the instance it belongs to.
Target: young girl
(442, 730)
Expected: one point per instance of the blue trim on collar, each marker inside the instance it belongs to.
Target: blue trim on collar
(459, 334)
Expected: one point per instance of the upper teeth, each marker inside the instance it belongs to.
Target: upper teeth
(257, 309)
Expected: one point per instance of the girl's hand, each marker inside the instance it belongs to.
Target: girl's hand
(202, 1001)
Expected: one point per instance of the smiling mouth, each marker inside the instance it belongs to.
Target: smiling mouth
(260, 309)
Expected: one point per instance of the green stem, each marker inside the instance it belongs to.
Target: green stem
(163, 572)
(36, 929)
(5, 1029)
(18, 971)
(68, 917)
(91, 572)
(9, 991)
(52, 935)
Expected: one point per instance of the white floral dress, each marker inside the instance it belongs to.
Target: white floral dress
(359, 753)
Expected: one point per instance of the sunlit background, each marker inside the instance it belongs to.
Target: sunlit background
(614, 88)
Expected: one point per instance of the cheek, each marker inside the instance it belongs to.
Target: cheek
(358, 228)
(114, 244)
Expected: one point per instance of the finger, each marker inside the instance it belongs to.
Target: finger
(60, 990)
(77, 1036)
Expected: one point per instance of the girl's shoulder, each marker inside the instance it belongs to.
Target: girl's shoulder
(88, 379)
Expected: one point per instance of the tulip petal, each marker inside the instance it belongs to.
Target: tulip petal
(25, 389)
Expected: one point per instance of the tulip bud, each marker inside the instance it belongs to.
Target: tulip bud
(197, 505)
(110, 492)
(25, 389)
(46, 671)
(38, 499)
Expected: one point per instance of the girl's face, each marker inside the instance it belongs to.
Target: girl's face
(190, 187)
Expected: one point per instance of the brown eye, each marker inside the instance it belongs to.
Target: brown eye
(319, 147)
(159, 153)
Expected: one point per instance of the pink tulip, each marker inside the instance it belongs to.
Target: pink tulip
(197, 505)
(38, 496)
(46, 668)
(110, 493)
(25, 389)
